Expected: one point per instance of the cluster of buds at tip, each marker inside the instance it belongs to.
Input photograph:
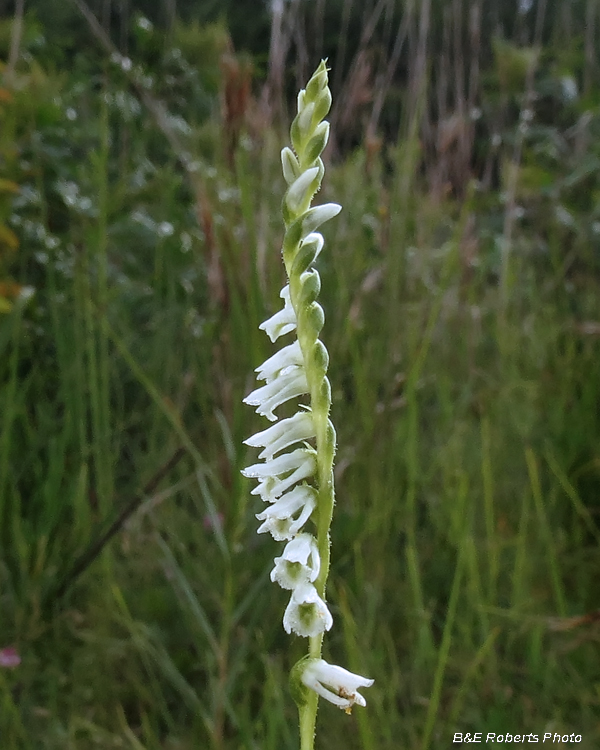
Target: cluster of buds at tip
(295, 479)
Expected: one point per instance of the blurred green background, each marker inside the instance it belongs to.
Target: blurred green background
(140, 236)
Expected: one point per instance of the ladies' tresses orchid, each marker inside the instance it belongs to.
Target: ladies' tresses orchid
(293, 568)
(307, 613)
(289, 382)
(296, 478)
(287, 515)
(298, 465)
(335, 683)
(283, 434)
(283, 321)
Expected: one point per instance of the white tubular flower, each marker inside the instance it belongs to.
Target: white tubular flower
(280, 518)
(335, 684)
(297, 465)
(300, 562)
(306, 614)
(280, 465)
(283, 434)
(283, 321)
(289, 356)
(290, 383)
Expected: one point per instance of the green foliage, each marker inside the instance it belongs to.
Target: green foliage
(9, 242)
(465, 567)
(513, 64)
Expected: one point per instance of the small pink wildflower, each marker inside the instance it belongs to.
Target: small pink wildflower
(9, 657)
(208, 522)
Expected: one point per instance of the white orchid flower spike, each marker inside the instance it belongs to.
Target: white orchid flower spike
(295, 477)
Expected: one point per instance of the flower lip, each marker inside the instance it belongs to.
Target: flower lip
(335, 684)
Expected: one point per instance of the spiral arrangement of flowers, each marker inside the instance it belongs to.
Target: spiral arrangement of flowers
(296, 478)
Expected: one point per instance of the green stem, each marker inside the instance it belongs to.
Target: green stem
(325, 486)
(324, 507)
(308, 721)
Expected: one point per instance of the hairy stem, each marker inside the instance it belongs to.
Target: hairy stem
(308, 719)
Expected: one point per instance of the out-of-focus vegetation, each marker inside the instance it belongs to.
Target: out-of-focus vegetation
(140, 231)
